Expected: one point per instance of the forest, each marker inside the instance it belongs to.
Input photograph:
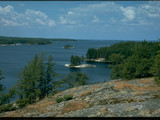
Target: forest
(34, 41)
(130, 59)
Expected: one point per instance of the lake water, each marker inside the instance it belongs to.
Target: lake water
(13, 58)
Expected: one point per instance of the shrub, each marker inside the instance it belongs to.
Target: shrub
(6, 107)
(59, 99)
(22, 102)
(64, 98)
(67, 97)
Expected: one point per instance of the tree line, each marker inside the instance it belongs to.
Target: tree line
(37, 80)
(131, 59)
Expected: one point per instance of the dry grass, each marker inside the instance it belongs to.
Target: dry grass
(73, 106)
(104, 111)
(40, 106)
(123, 85)
(147, 81)
(95, 86)
(138, 90)
(12, 114)
(86, 93)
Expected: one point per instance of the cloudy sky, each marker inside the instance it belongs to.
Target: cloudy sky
(101, 20)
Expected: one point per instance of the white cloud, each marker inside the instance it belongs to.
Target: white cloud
(66, 21)
(95, 19)
(129, 13)
(9, 17)
(70, 13)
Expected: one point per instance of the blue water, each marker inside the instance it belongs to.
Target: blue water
(13, 58)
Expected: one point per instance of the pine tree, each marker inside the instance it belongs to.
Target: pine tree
(41, 75)
(75, 60)
(36, 79)
(75, 79)
(156, 69)
(1, 77)
(50, 73)
(27, 84)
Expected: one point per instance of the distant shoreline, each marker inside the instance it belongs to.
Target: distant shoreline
(97, 60)
(80, 66)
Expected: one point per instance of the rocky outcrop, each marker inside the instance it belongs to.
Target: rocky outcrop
(117, 98)
(80, 66)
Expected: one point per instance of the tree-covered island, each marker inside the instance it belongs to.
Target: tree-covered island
(67, 46)
(76, 62)
(29, 41)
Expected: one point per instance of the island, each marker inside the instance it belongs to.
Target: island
(76, 62)
(13, 41)
(66, 46)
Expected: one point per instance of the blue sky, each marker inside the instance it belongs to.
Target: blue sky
(100, 20)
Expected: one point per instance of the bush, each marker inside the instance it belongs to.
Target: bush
(157, 81)
(59, 99)
(6, 107)
(22, 102)
(64, 98)
(67, 97)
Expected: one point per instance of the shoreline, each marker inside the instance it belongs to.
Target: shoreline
(97, 60)
(80, 66)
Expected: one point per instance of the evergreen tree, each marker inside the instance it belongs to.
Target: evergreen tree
(116, 58)
(36, 79)
(41, 75)
(156, 68)
(75, 79)
(1, 77)
(28, 78)
(75, 60)
(5, 98)
(91, 53)
(50, 73)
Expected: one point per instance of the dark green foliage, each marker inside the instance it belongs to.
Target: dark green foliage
(64, 98)
(91, 53)
(139, 64)
(68, 97)
(49, 74)
(116, 71)
(59, 99)
(36, 79)
(116, 58)
(156, 68)
(5, 98)
(6, 107)
(75, 60)
(22, 102)
(75, 79)
(1, 77)
(35, 41)
(129, 59)
(15, 40)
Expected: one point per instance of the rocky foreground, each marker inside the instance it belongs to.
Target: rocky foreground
(117, 98)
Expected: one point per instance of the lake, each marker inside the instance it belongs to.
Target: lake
(13, 58)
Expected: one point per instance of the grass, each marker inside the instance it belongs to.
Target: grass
(89, 92)
(73, 106)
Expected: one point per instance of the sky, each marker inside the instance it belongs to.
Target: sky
(97, 20)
